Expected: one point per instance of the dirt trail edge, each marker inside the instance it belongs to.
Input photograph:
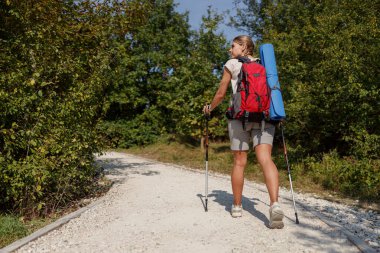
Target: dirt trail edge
(155, 207)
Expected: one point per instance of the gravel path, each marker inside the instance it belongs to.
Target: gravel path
(155, 207)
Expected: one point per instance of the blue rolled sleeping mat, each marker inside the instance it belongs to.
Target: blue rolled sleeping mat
(268, 60)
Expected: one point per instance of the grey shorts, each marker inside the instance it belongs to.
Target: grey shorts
(240, 138)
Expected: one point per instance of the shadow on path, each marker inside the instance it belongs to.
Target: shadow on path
(225, 199)
(119, 169)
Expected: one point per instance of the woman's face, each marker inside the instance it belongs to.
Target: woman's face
(236, 50)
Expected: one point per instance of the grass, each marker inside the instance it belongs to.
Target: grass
(13, 227)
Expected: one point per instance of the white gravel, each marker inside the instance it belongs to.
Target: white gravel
(155, 207)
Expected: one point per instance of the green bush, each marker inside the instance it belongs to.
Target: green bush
(144, 129)
(354, 178)
(55, 66)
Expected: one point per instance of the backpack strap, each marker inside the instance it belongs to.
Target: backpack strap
(243, 59)
(245, 119)
(263, 125)
(242, 75)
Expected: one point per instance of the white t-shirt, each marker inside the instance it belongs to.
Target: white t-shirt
(234, 66)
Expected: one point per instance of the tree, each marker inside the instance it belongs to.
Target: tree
(162, 87)
(55, 61)
(197, 79)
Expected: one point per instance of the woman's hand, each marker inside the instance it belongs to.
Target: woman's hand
(207, 109)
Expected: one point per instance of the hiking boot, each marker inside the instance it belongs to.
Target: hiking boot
(236, 211)
(275, 216)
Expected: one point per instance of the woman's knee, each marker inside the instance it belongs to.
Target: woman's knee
(265, 162)
(240, 158)
(264, 154)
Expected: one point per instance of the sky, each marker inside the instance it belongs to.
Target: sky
(198, 8)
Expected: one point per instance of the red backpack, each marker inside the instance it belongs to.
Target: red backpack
(252, 99)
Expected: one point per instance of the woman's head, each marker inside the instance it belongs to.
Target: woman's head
(242, 45)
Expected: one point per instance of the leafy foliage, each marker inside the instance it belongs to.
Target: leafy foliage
(162, 84)
(140, 92)
(197, 79)
(55, 61)
(351, 177)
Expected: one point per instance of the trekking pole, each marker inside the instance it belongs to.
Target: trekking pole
(207, 117)
(290, 177)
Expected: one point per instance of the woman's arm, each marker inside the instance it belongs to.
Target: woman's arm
(221, 93)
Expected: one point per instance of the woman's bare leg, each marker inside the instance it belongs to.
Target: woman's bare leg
(264, 157)
(237, 175)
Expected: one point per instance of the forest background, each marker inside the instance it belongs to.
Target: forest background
(78, 77)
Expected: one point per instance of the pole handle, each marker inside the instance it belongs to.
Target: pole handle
(207, 116)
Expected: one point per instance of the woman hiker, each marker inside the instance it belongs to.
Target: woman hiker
(243, 46)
